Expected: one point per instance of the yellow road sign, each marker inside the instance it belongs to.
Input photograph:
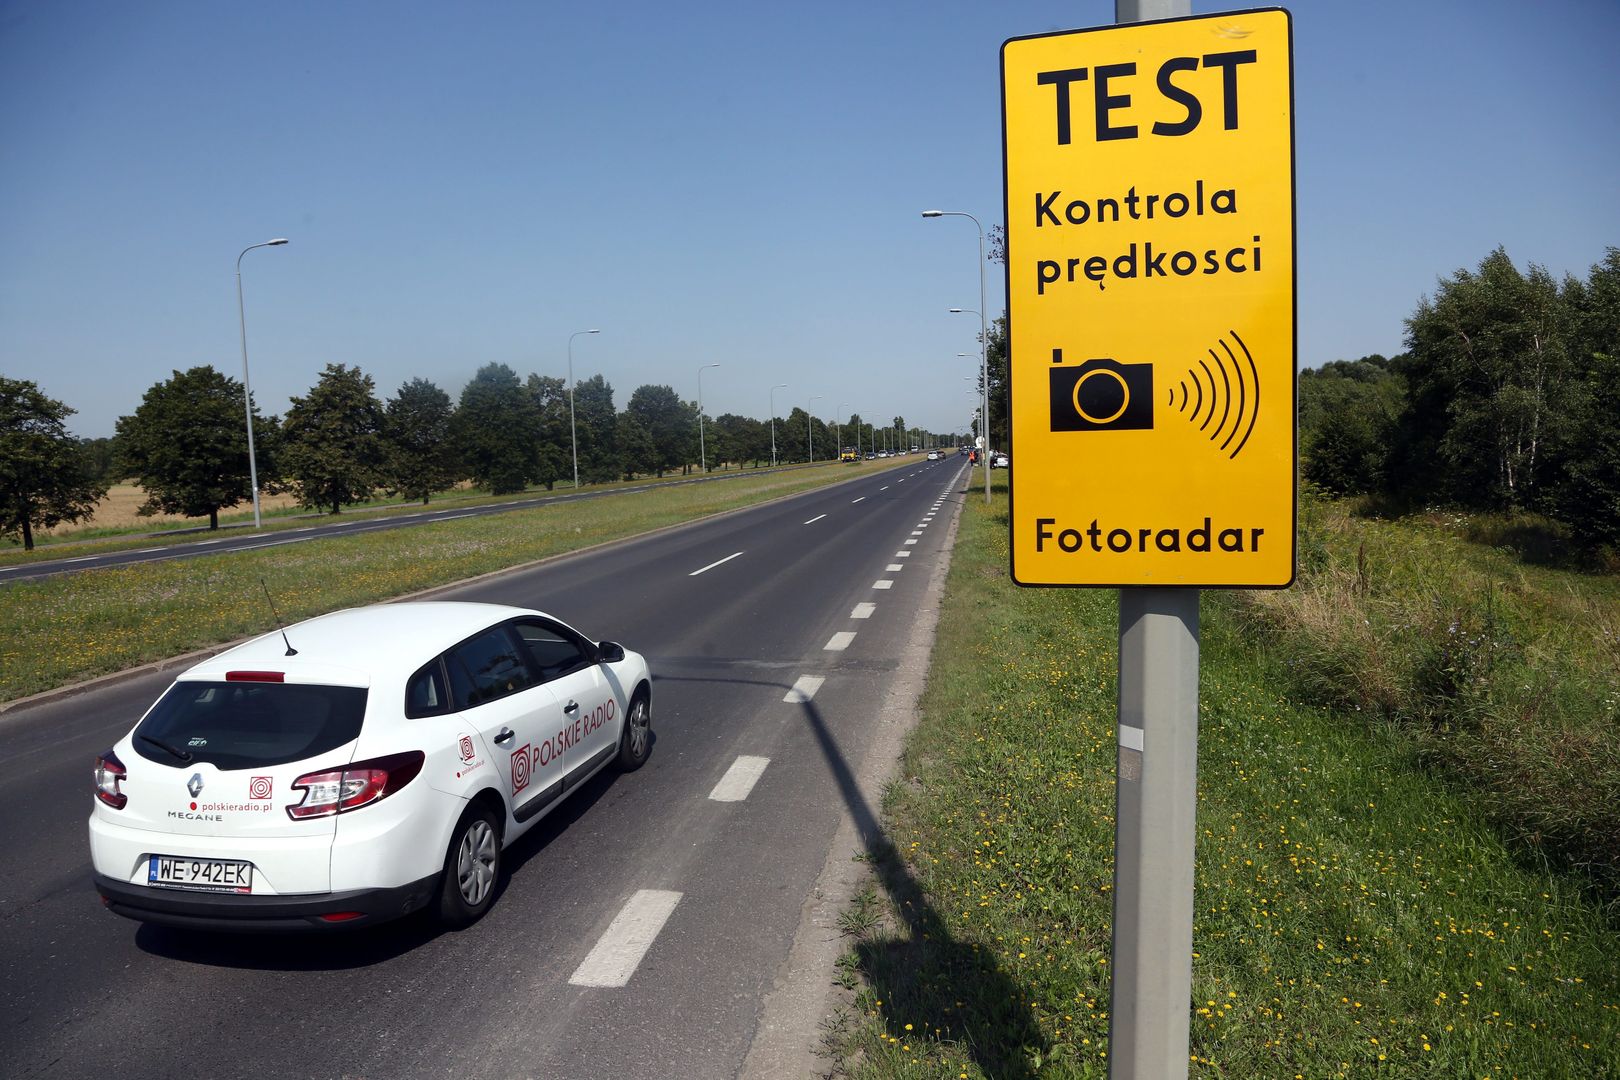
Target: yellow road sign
(1150, 295)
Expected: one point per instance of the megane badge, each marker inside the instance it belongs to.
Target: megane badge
(194, 785)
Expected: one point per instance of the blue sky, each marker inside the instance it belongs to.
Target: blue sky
(707, 183)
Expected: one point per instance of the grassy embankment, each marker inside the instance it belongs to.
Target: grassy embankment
(118, 525)
(61, 630)
(1382, 892)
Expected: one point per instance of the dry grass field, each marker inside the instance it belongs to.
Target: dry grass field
(118, 510)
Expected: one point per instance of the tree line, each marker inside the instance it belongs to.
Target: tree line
(186, 443)
(1506, 399)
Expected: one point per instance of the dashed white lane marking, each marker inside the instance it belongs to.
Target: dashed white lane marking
(861, 499)
(307, 528)
(87, 558)
(901, 480)
(911, 541)
(453, 517)
(883, 584)
(275, 543)
(815, 519)
(885, 487)
(619, 951)
(8, 569)
(839, 641)
(804, 689)
(914, 532)
(201, 543)
(146, 551)
(739, 779)
(894, 568)
(863, 611)
(902, 554)
(712, 565)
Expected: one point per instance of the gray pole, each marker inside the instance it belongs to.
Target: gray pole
(703, 456)
(774, 389)
(573, 436)
(247, 391)
(984, 343)
(1156, 797)
(809, 431)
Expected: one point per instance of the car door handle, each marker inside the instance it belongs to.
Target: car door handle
(571, 708)
(506, 735)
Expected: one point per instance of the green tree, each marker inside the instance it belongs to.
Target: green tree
(102, 455)
(1588, 491)
(498, 427)
(1348, 412)
(553, 453)
(597, 422)
(420, 453)
(333, 451)
(1489, 379)
(670, 423)
(186, 444)
(636, 451)
(996, 360)
(45, 477)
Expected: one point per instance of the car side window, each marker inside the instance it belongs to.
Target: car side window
(555, 652)
(486, 667)
(425, 694)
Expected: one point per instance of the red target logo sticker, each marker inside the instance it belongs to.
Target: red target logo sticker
(466, 748)
(520, 769)
(259, 787)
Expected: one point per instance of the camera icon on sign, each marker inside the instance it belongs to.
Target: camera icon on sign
(1101, 395)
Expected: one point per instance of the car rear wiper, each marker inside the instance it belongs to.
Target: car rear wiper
(173, 751)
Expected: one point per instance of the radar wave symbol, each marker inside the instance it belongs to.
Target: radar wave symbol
(1223, 387)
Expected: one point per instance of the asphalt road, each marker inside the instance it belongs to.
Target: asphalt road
(87, 993)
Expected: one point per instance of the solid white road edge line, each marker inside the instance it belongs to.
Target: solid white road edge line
(712, 565)
(863, 611)
(804, 689)
(619, 951)
(839, 641)
(739, 779)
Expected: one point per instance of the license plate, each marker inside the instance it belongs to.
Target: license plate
(210, 875)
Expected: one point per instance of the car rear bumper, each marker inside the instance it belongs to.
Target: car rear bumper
(263, 914)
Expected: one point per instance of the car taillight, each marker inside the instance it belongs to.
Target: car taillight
(109, 771)
(349, 787)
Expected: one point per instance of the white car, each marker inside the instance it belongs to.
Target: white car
(999, 461)
(358, 767)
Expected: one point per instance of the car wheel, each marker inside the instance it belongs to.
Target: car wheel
(471, 868)
(635, 743)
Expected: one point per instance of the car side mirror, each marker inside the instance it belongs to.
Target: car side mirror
(609, 652)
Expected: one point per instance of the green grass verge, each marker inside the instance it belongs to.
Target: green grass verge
(61, 630)
(1355, 914)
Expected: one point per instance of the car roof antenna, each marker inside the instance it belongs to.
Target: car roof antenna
(290, 650)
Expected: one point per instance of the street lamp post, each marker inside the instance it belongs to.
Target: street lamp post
(774, 389)
(247, 392)
(984, 355)
(573, 437)
(838, 429)
(703, 456)
(809, 431)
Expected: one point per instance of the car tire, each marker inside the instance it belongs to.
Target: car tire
(635, 741)
(472, 868)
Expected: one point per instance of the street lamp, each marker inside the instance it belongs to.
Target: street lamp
(838, 429)
(984, 355)
(703, 457)
(774, 389)
(247, 392)
(573, 436)
(810, 432)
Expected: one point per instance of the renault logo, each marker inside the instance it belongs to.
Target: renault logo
(194, 785)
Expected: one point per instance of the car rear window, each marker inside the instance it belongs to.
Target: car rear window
(250, 725)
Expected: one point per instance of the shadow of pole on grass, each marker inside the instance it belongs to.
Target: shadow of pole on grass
(928, 978)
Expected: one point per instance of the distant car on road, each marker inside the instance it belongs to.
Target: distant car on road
(935, 455)
(361, 766)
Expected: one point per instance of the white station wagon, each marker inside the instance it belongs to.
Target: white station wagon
(358, 767)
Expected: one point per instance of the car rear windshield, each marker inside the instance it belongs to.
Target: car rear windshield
(235, 725)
